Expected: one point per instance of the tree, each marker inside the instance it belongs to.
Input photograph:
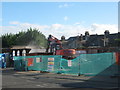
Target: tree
(24, 38)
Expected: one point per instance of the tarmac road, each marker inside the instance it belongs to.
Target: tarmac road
(35, 79)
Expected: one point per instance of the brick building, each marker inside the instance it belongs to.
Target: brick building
(94, 40)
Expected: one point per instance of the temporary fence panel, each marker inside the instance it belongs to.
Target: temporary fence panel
(51, 63)
(27, 63)
(70, 66)
(24, 64)
(87, 64)
(97, 64)
(18, 63)
(57, 63)
(30, 64)
(38, 63)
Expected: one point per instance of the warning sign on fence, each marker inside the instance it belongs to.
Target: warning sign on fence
(38, 60)
(50, 64)
(30, 61)
(69, 63)
(50, 59)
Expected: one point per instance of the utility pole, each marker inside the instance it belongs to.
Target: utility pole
(105, 40)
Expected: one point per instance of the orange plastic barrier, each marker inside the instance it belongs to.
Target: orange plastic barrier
(66, 52)
(117, 58)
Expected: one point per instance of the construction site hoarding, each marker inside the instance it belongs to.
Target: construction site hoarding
(84, 64)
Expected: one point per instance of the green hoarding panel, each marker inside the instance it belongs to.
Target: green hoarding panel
(70, 66)
(86, 64)
(51, 63)
(97, 64)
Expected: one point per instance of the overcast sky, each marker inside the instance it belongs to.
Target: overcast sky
(60, 18)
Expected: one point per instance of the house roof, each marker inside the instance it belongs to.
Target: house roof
(97, 40)
(20, 47)
(37, 51)
(26, 47)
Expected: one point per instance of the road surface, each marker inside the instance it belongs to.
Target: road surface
(35, 79)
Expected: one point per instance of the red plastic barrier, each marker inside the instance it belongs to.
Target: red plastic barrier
(117, 58)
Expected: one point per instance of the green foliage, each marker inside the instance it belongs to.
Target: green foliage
(118, 39)
(115, 43)
(31, 36)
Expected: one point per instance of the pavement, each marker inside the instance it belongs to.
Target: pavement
(36, 79)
